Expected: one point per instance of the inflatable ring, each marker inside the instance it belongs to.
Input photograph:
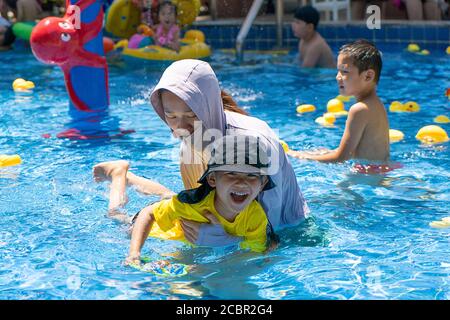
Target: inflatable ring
(187, 11)
(122, 18)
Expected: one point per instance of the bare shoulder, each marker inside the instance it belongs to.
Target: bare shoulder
(359, 108)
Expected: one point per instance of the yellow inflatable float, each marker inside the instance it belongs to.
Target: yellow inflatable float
(327, 120)
(6, 161)
(441, 119)
(432, 134)
(192, 47)
(123, 17)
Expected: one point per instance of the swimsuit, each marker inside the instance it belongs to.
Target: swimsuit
(376, 168)
(163, 38)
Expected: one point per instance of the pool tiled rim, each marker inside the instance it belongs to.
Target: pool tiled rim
(262, 35)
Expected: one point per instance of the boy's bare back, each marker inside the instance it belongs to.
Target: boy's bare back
(316, 53)
(374, 141)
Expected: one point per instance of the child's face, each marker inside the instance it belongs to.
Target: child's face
(178, 115)
(350, 81)
(234, 190)
(167, 15)
(299, 28)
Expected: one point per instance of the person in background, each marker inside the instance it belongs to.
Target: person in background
(25, 10)
(314, 52)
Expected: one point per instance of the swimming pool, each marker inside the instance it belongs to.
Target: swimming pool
(364, 242)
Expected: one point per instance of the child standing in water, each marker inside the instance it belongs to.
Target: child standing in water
(366, 133)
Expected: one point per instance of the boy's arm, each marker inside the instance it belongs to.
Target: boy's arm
(354, 129)
(141, 229)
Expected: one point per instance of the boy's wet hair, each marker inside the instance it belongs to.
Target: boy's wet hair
(167, 3)
(8, 37)
(365, 56)
(308, 14)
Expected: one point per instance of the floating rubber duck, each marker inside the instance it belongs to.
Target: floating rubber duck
(443, 223)
(327, 120)
(410, 106)
(344, 98)
(432, 134)
(306, 108)
(424, 52)
(22, 85)
(441, 119)
(284, 145)
(448, 50)
(413, 47)
(336, 107)
(395, 135)
(6, 161)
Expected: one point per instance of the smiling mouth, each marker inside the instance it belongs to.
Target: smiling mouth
(239, 197)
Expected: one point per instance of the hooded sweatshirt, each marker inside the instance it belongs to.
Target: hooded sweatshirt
(196, 84)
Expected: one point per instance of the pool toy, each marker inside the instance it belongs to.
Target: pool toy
(108, 45)
(376, 168)
(22, 30)
(187, 11)
(443, 223)
(413, 47)
(336, 107)
(6, 161)
(448, 50)
(162, 268)
(304, 108)
(192, 47)
(21, 85)
(410, 106)
(441, 119)
(344, 98)
(122, 18)
(284, 145)
(424, 52)
(78, 50)
(432, 134)
(395, 135)
(327, 120)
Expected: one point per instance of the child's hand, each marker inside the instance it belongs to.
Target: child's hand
(191, 228)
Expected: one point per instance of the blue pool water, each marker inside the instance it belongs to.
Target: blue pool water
(367, 239)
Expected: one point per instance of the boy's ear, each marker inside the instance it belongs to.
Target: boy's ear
(370, 75)
(211, 178)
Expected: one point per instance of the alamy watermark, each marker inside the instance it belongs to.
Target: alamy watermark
(374, 19)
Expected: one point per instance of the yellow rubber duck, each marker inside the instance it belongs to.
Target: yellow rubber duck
(327, 120)
(410, 106)
(6, 161)
(306, 108)
(443, 223)
(22, 85)
(448, 50)
(424, 52)
(344, 98)
(441, 119)
(284, 145)
(395, 135)
(432, 134)
(336, 107)
(413, 47)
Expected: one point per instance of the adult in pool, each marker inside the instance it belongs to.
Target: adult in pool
(188, 97)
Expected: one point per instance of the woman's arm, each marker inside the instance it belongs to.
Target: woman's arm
(141, 229)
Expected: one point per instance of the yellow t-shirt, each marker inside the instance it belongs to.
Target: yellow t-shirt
(250, 224)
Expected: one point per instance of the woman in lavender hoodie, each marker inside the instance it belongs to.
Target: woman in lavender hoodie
(189, 100)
